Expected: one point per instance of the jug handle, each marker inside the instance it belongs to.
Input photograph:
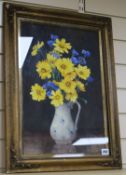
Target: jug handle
(78, 113)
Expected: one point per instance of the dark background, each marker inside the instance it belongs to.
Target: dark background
(37, 116)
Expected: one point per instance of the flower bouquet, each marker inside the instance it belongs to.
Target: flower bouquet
(63, 71)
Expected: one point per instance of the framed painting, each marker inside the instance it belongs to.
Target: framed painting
(60, 93)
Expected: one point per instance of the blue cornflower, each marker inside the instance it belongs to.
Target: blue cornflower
(53, 38)
(51, 85)
(48, 93)
(56, 55)
(86, 53)
(75, 60)
(50, 43)
(82, 61)
(75, 53)
(90, 79)
(44, 86)
(74, 57)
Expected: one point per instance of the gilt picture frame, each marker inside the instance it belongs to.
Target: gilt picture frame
(60, 91)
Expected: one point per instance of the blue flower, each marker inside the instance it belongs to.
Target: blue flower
(51, 42)
(51, 85)
(56, 55)
(82, 61)
(45, 86)
(48, 93)
(90, 79)
(54, 37)
(74, 52)
(75, 60)
(86, 53)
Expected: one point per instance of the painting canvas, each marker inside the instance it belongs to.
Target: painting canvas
(59, 71)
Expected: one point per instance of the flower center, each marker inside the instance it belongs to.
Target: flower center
(68, 84)
(57, 97)
(38, 92)
(43, 70)
(81, 72)
(63, 66)
(52, 61)
(61, 45)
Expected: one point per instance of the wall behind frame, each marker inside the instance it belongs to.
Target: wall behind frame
(115, 9)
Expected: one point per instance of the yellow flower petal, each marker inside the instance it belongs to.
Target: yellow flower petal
(36, 47)
(44, 69)
(72, 96)
(67, 85)
(71, 75)
(34, 52)
(38, 93)
(64, 66)
(80, 86)
(56, 98)
(62, 46)
(51, 60)
(83, 72)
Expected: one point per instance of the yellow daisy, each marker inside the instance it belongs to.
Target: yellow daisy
(51, 60)
(67, 85)
(71, 75)
(80, 86)
(72, 96)
(56, 98)
(37, 92)
(36, 48)
(62, 46)
(83, 72)
(44, 69)
(64, 66)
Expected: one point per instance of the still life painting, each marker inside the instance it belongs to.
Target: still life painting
(62, 95)
(60, 91)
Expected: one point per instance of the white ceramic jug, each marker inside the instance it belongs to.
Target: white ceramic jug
(63, 129)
